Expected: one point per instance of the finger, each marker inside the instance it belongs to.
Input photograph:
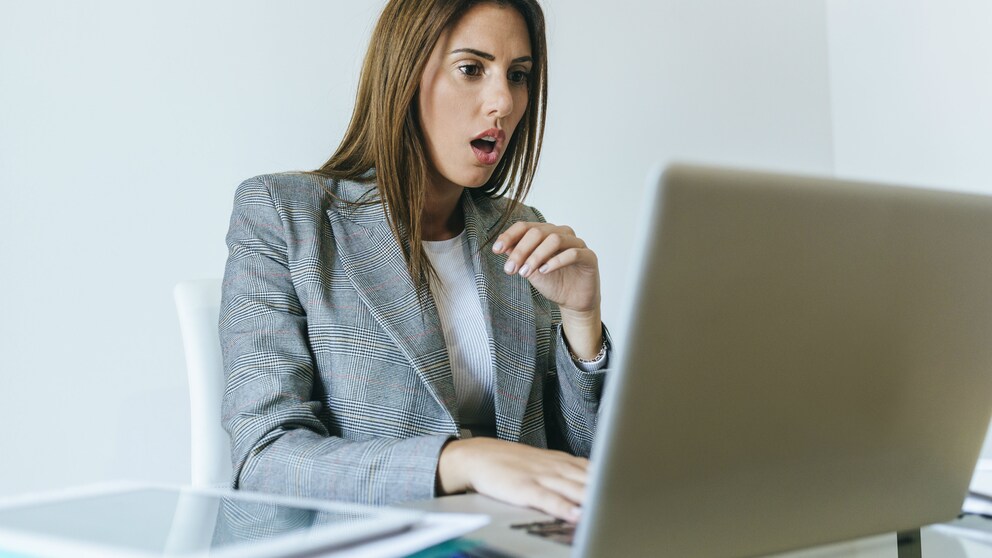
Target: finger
(573, 491)
(555, 504)
(552, 244)
(530, 240)
(569, 257)
(509, 238)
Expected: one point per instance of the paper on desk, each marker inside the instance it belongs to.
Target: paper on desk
(980, 492)
(434, 528)
(980, 506)
(969, 527)
(978, 501)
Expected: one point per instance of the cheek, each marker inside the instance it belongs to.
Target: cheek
(438, 109)
(425, 107)
(433, 103)
(520, 100)
(453, 112)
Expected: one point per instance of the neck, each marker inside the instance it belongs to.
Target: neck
(442, 218)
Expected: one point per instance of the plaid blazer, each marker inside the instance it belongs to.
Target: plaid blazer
(339, 384)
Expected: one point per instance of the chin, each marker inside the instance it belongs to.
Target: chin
(466, 176)
(476, 181)
(474, 185)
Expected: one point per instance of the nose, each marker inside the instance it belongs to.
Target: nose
(499, 100)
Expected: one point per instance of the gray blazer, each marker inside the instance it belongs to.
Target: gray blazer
(339, 384)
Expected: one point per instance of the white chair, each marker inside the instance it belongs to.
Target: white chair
(198, 304)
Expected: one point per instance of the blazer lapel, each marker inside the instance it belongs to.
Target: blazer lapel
(509, 310)
(375, 265)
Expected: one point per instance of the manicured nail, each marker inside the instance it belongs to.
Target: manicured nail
(525, 270)
(544, 268)
(510, 267)
(498, 246)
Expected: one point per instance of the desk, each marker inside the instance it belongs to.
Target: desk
(935, 542)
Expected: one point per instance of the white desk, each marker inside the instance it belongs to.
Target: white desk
(935, 543)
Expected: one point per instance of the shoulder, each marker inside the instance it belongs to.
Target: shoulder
(300, 187)
(301, 191)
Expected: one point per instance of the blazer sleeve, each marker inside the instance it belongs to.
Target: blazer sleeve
(572, 395)
(279, 444)
(572, 398)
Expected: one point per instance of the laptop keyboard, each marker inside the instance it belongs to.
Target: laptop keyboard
(557, 530)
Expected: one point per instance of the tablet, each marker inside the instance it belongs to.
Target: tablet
(130, 520)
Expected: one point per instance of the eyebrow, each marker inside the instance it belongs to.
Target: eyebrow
(490, 57)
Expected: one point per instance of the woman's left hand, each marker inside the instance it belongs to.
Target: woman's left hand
(556, 262)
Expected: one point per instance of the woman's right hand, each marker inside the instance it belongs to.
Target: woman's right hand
(548, 480)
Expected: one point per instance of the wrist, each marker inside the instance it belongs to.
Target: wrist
(452, 467)
(583, 333)
(586, 317)
(594, 363)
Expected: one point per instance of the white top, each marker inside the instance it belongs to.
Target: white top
(465, 335)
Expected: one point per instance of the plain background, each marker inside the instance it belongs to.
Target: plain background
(126, 126)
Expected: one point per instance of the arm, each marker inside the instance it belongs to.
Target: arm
(279, 444)
(565, 272)
(551, 480)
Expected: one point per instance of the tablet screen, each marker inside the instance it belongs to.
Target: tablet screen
(158, 521)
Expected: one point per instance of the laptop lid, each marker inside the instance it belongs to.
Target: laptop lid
(806, 360)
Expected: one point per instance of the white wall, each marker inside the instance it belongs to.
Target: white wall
(911, 82)
(125, 127)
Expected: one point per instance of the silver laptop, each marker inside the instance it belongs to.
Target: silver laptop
(807, 361)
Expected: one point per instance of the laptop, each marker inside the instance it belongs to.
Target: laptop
(807, 360)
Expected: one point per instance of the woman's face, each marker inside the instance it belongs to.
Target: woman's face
(473, 93)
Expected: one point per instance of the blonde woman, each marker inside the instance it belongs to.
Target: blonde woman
(397, 325)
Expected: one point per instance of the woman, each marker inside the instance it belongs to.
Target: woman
(394, 327)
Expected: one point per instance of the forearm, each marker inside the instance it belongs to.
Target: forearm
(305, 464)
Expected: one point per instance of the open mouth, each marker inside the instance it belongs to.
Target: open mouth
(488, 145)
(485, 145)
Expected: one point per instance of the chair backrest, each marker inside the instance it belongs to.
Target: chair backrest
(198, 305)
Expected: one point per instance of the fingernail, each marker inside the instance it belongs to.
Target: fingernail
(525, 270)
(576, 513)
(544, 268)
(498, 246)
(510, 267)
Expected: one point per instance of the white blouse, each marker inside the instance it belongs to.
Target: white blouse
(464, 325)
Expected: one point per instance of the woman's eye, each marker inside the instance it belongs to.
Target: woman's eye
(471, 70)
(519, 76)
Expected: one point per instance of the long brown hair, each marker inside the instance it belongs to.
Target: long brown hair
(384, 141)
